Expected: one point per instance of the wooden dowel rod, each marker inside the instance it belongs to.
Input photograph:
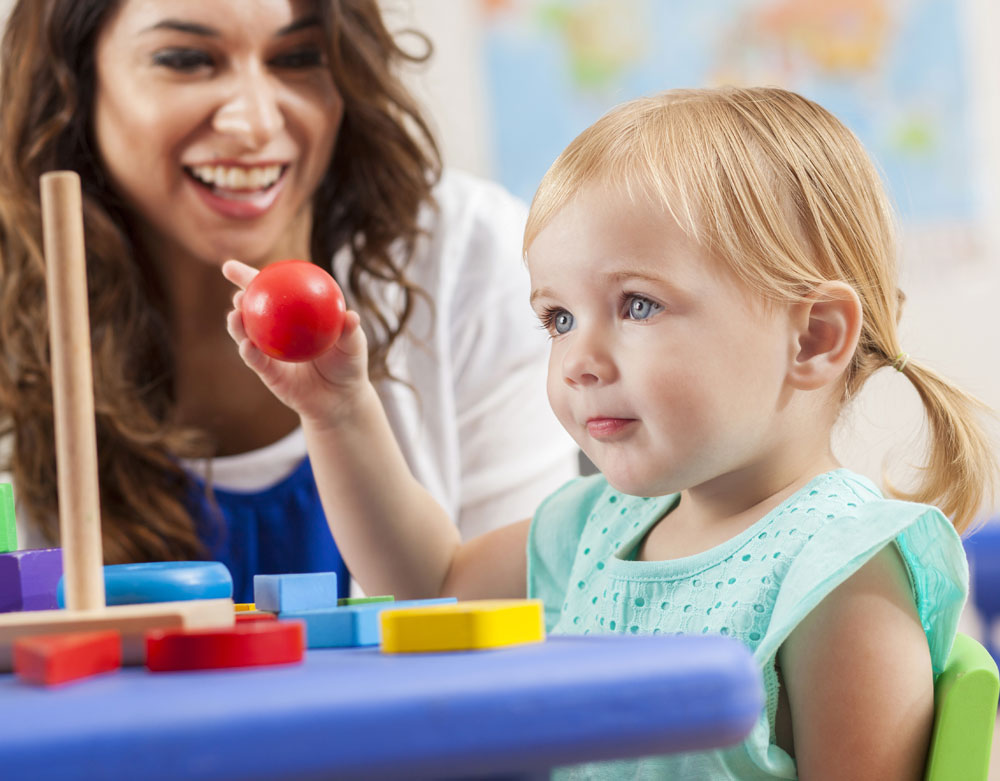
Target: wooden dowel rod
(73, 391)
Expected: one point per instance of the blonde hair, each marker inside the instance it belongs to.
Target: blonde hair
(785, 195)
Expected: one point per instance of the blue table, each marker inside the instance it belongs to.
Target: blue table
(356, 713)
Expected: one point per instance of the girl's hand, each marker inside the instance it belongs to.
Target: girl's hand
(323, 390)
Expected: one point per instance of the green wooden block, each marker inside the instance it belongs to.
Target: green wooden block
(345, 601)
(8, 531)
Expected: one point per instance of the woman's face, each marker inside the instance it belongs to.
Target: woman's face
(216, 121)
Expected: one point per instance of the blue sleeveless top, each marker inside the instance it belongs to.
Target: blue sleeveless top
(281, 529)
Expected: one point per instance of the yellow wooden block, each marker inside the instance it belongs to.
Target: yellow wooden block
(463, 626)
(243, 607)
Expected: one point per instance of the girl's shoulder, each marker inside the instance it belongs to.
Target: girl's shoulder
(560, 518)
(838, 523)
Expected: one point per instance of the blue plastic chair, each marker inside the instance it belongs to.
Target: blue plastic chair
(983, 550)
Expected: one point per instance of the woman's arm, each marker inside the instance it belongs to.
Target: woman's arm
(859, 679)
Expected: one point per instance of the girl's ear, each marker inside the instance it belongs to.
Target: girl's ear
(826, 327)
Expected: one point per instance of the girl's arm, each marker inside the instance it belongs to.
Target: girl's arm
(859, 679)
(395, 539)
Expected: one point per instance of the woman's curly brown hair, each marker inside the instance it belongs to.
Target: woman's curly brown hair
(383, 169)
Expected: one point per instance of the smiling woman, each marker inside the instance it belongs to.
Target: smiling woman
(258, 130)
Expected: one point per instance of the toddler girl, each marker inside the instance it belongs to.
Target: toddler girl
(716, 269)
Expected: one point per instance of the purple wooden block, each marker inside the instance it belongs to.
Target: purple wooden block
(28, 579)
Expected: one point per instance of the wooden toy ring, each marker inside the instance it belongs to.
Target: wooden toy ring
(162, 581)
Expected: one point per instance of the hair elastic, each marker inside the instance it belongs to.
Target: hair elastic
(900, 361)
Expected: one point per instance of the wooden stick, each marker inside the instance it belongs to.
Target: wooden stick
(73, 391)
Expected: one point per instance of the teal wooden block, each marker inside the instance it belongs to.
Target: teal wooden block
(295, 591)
(354, 625)
(163, 581)
(8, 530)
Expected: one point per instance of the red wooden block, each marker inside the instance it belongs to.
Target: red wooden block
(255, 615)
(247, 644)
(52, 659)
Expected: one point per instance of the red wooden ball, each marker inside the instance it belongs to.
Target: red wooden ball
(293, 310)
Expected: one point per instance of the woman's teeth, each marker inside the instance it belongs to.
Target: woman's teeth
(237, 177)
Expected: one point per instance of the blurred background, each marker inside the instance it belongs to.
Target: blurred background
(511, 82)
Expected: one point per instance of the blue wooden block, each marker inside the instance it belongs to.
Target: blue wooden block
(28, 579)
(295, 591)
(163, 581)
(352, 625)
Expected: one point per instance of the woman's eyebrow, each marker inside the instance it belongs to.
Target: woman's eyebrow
(179, 25)
(195, 28)
(299, 24)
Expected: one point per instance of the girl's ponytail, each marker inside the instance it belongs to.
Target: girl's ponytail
(960, 472)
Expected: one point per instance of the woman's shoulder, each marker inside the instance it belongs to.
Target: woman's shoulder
(469, 209)
(469, 257)
(462, 192)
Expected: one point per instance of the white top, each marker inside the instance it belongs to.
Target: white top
(471, 413)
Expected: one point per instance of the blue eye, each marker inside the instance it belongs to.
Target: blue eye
(562, 321)
(640, 308)
(557, 321)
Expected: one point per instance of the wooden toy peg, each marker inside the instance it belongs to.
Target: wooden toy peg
(76, 457)
(73, 390)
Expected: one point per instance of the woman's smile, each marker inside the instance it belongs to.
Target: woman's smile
(238, 191)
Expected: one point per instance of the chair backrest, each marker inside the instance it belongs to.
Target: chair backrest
(965, 713)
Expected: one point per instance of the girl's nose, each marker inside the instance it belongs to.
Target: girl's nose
(251, 113)
(587, 360)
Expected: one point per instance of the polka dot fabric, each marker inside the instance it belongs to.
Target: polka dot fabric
(755, 587)
(728, 590)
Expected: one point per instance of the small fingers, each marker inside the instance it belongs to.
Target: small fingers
(351, 321)
(234, 324)
(239, 273)
(257, 360)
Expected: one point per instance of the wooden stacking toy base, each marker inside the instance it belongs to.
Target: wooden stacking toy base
(131, 620)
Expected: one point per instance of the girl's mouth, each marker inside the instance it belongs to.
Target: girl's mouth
(608, 428)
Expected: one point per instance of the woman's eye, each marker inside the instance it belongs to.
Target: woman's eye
(640, 308)
(299, 58)
(183, 60)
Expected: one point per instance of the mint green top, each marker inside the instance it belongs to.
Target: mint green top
(757, 586)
